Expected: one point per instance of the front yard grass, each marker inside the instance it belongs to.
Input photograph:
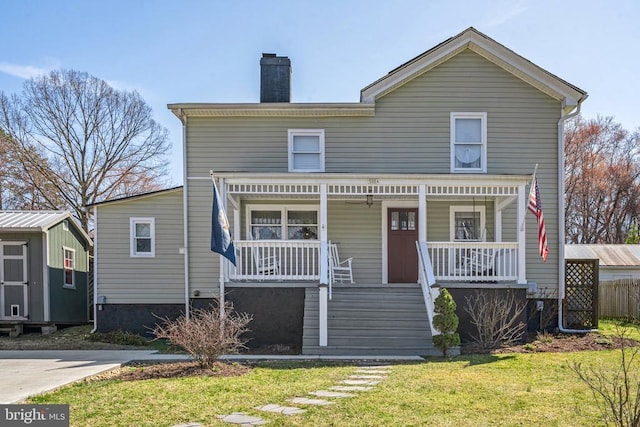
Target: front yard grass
(506, 389)
(472, 390)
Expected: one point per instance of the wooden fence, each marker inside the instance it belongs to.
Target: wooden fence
(620, 298)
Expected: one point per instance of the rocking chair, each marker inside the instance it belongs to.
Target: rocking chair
(340, 270)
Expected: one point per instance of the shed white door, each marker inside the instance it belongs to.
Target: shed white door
(14, 301)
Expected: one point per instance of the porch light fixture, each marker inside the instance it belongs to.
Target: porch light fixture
(369, 200)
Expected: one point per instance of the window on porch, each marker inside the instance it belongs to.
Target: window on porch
(288, 223)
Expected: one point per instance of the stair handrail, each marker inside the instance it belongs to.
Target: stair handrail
(426, 280)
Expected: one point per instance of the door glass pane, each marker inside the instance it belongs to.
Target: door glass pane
(403, 221)
(412, 220)
(395, 219)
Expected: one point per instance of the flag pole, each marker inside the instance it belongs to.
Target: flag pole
(221, 301)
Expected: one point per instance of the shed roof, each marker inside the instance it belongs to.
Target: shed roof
(609, 255)
(39, 221)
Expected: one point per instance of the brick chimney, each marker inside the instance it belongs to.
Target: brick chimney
(275, 78)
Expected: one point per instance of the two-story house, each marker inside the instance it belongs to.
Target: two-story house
(348, 217)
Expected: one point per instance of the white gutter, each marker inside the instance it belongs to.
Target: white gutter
(95, 269)
(561, 222)
(185, 211)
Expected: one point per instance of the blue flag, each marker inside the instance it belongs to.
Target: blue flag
(220, 237)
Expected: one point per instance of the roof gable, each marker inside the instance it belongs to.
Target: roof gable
(477, 42)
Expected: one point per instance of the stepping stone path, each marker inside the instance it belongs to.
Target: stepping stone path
(363, 380)
(360, 382)
(242, 419)
(325, 393)
(305, 401)
(284, 410)
(351, 388)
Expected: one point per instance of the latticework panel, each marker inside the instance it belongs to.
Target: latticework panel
(581, 294)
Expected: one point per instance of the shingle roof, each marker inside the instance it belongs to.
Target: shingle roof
(609, 255)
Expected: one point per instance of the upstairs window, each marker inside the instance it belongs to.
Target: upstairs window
(142, 237)
(306, 150)
(468, 142)
(69, 267)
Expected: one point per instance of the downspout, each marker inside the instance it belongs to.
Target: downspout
(185, 212)
(561, 222)
(95, 269)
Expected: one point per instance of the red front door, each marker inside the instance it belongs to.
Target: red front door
(402, 229)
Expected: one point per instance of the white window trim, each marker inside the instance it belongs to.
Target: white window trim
(64, 268)
(283, 215)
(452, 220)
(132, 237)
(314, 132)
(483, 150)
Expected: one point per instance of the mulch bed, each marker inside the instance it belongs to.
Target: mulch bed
(136, 371)
(558, 343)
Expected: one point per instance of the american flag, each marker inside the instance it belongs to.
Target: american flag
(535, 206)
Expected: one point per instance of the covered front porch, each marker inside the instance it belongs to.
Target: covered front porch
(294, 230)
(284, 230)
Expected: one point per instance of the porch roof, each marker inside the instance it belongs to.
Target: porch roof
(392, 185)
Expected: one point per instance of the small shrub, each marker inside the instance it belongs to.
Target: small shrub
(496, 319)
(545, 337)
(206, 334)
(446, 321)
(615, 391)
(530, 347)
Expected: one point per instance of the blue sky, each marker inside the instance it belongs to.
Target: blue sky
(209, 51)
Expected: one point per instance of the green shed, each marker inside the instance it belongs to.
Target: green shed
(44, 269)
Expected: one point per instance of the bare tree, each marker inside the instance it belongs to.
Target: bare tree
(17, 188)
(84, 139)
(602, 181)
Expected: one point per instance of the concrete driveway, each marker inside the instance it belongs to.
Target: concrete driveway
(27, 373)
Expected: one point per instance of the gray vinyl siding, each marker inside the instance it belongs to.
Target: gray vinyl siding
(410, 133)
(129, 280)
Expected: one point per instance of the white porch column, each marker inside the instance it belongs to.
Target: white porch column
(323, 295)
(497, 214)
(522, 254)
(422, 213)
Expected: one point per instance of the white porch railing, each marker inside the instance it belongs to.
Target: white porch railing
(474, 261)
(427, 279)
(276, 260)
